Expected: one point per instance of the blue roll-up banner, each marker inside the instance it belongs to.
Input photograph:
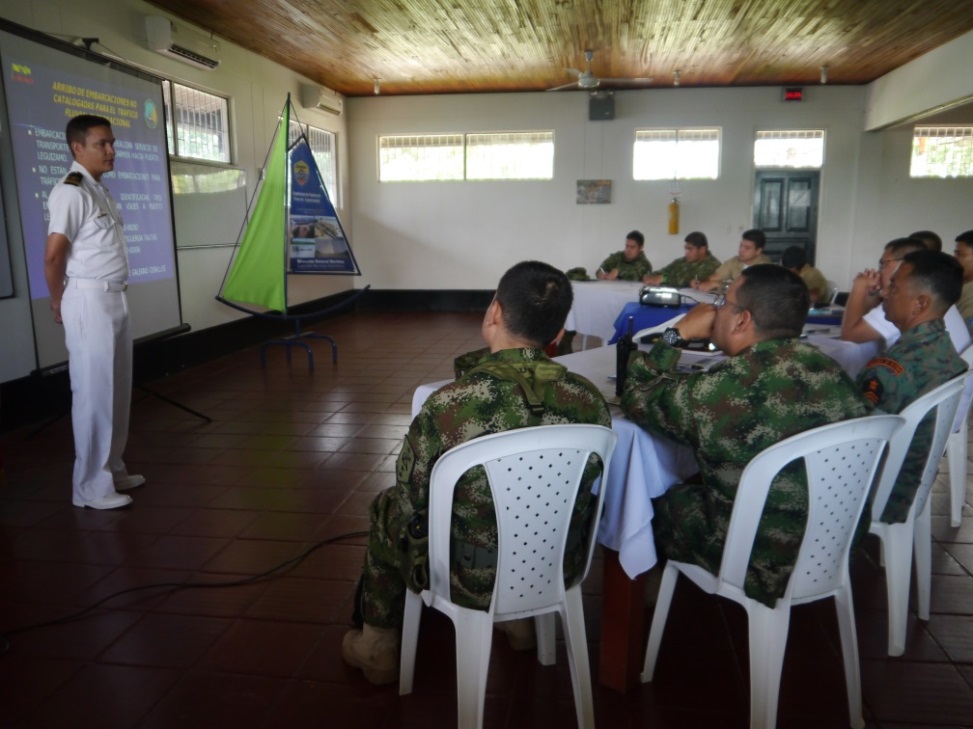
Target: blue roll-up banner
(316, 240)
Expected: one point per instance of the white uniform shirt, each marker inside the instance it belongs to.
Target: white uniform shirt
(88, 217)
(890, 333)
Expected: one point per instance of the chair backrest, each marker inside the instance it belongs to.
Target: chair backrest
(964, 400)
(943, 400)
(534, 475)
(832, 293)
(841, 461)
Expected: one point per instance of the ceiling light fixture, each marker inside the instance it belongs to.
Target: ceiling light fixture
(675, 77)
(377, 86)
(824, 74)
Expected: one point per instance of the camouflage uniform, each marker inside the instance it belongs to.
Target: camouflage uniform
(681, 272)
(771, 391)
(627, 270)
(922, 359)
(815, 280)
(733, 267)
(478, 403)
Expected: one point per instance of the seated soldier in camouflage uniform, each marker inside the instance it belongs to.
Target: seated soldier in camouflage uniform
(771, 387)
(513, 385)
(698, 264)
(628, 265)
(919, 293)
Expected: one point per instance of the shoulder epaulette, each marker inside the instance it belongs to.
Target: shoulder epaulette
(74, 178)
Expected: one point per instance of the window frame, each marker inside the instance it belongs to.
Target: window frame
(676, 134)
(960, 145)
(784, 134)
(169, 90)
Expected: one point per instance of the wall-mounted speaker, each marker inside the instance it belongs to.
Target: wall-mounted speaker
(601, 107)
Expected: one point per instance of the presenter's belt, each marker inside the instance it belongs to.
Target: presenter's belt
(114, 287)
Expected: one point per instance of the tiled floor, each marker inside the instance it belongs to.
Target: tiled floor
(292, 459)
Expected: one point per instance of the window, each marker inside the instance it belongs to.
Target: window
(789, 148)
(323, 150)
(420, 157)
(322, 146)
(942, 152)
(197, 126)
(510, 156)
(676, 154)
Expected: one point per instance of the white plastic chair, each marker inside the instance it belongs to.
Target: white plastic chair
(832, 293)
(956, 448)
(534, 475)
(841, 461)
(913, 536)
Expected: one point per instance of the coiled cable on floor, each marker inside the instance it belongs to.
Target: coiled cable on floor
(174, 586)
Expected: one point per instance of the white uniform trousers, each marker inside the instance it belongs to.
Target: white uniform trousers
(99, 343)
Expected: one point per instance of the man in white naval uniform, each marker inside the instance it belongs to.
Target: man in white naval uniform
(86, 267)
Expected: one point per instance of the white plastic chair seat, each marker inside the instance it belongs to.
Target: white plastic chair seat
(841, 461)
(534, 475)
(913, 537)
(956, 448)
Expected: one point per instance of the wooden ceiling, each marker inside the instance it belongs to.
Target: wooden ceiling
(461, 46)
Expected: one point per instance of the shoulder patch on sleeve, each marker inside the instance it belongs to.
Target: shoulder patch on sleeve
(890, 364)
(74, 178)
(873, 390)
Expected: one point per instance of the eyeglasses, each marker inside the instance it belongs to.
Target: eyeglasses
(881, 263)
(720, 301)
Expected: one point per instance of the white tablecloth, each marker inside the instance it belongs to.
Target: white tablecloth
(644, 466)
(596, 306)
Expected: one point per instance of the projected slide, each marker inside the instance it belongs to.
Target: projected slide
(44, 87)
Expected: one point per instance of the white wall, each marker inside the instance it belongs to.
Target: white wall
(464, 234)
(257, 90)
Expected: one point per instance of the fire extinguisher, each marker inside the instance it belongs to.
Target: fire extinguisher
(674, 217)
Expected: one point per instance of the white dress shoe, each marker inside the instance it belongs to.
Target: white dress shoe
(111, 501)
(126, 483)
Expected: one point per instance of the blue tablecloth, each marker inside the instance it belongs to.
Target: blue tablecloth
(644, 317)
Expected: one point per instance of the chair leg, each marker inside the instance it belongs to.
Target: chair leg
(897, 549)
(956, 453)
(922, 554)
(546, 648)
(768, 641)
(662, 603)
(410, 641)
(474, 639)
(577, 646)
(845, 607)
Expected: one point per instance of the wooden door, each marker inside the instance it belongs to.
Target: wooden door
(785, 208)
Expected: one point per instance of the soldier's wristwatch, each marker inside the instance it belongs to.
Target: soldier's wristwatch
(671, 337)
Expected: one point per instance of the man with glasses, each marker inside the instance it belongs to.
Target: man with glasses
(864, 319)
(924, 286)
(772, 386)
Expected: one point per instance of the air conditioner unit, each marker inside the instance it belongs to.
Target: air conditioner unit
(316, 97)
(182, 43)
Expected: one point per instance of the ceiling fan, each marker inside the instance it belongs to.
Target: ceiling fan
(588, 81)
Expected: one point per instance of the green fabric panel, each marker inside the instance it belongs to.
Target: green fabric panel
(257, 276)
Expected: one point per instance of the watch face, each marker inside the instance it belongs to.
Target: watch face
(671, 337)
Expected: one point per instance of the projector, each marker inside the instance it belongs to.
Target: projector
(660, 296)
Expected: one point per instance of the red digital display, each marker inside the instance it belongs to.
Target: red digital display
(795, 94)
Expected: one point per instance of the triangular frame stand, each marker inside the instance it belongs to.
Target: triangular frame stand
(298, 338)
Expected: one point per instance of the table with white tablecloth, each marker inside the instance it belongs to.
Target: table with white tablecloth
(596, 306)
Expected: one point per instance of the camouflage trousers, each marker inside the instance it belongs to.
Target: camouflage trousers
(395, 561)
(690, 525)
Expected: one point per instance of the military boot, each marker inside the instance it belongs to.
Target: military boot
(375, 651)
(520, 633)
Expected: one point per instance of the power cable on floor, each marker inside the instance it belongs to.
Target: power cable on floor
(174, 586)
